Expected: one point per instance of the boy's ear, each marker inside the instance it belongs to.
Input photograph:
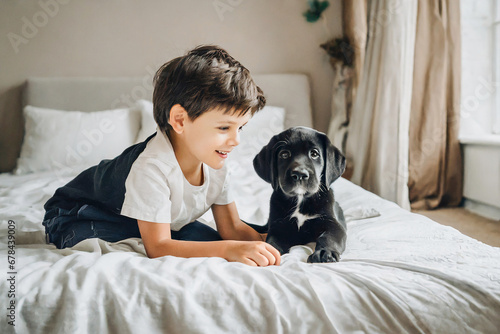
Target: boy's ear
(178, 115)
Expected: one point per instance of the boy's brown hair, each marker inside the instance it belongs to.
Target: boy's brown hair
(206, 77)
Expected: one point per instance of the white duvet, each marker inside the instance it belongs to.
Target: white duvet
(400, 273)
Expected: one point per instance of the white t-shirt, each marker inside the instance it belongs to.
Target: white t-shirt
(157, 191)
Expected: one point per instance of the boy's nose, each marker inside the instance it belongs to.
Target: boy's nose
(234, 139)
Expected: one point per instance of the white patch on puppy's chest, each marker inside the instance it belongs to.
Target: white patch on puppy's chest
(301, 218)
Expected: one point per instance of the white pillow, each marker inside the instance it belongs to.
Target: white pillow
(56, 139)
(148, 126)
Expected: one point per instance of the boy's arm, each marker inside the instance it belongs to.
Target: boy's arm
(230, 226)
(158, 242)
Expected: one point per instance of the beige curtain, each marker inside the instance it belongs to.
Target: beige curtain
(377, 142)
(435, 163)
(400, 154)
(355, 28)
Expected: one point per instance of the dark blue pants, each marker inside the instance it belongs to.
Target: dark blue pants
(66, 228)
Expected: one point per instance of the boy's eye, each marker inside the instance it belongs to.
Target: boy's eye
(225, 128)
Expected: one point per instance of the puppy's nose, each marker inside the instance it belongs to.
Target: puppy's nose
(299, 174)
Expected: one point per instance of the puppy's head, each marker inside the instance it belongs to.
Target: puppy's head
(298, 161)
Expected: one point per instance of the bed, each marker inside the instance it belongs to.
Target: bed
(401, 272)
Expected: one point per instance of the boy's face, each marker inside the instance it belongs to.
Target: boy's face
(213, 135)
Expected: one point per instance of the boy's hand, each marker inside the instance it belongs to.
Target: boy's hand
(252, 253)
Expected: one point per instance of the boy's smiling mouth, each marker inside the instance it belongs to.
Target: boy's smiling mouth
(222, 154)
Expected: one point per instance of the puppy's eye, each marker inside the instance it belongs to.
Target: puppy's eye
(285, 154)
(314, 154)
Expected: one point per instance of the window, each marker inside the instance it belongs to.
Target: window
(480, 97)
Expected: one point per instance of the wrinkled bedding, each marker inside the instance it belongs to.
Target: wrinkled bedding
(401, 272)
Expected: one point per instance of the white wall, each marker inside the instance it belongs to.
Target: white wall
(132, 38)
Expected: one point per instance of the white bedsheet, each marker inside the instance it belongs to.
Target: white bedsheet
(401, 272)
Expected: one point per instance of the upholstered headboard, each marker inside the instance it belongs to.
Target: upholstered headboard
(290, 91)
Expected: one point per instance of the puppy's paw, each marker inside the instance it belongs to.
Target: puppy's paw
(323, 256)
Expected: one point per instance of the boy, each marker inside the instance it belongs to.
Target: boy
(157, 189)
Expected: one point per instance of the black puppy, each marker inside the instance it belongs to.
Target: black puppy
(301, 164)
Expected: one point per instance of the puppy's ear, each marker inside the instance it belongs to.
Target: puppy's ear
(334, 161)
(264, 162)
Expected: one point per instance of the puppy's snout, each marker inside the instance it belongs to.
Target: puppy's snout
(299, 174)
